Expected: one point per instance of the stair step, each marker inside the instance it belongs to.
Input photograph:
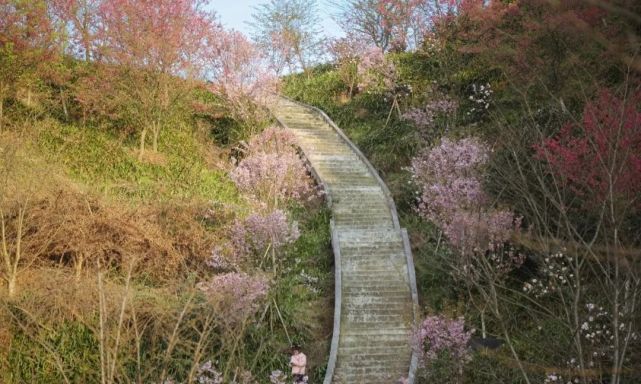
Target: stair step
(376, 307)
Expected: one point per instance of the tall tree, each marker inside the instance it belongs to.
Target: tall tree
(80, 19)
(27, 42)
(152, 43)
(239, 71)
(288, 30)
(386, 24)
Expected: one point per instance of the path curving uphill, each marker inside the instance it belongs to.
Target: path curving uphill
(376, 296)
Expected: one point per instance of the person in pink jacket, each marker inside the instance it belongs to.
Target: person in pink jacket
(298, 362)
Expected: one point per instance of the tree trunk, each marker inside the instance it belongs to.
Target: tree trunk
(78, 267)
(156, 134)
(12, 285)
(1, 112)
(143, 136)
(64, 105)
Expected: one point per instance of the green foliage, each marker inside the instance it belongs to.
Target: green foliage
(98, 157)
(37, 358)
(303, 292)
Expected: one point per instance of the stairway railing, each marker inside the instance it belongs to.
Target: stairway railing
(333, 355)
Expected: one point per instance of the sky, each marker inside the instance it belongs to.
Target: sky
(235, 13)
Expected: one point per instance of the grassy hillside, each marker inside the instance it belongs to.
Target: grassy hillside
(112, 249)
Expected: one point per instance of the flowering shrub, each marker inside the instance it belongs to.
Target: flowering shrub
(376, 72)
(556, 273)
(438, 334)
(207, 374)
(273, 140)
(600, 158)
(480, 98)
(277, 377)
(253, 235)
(235, 294)
(452, 197)
(424, 118)
(272, 171)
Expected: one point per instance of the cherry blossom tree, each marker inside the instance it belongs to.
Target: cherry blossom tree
(240, 72)
(289, 31)
(438, 335)
(81, 20)
(27, 46)
(452, 196)
(272, 171)
(236, 295)
(152, 43)
(386, 24)
(346, 53)
(599, 157)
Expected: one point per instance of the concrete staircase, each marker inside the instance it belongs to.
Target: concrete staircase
(375, 284)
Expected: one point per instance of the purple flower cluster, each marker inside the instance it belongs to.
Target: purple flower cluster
(449, 176)
(236, 295)
(255, 233)
(451, 196)
(273, 170)
(438, 334)
(273, 140)
(278, 377)
(208, 374)
(424, 117)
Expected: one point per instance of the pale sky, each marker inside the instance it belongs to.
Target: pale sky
(234, 14)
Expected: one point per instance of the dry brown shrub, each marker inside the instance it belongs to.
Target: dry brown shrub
(163, 240)
(185, 224)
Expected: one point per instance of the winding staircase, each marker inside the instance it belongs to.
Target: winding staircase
(376, 299)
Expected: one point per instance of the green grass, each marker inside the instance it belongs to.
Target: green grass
(100, 158)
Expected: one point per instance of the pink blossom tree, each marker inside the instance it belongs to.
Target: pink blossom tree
(149, 66)
(81, 19)
(260, 234)
(437, 335)
(27, 46)
(346, 53)
(240, 72)
(272, 171)
(289, 31)
(376, 72)
(449, 177)
(387, 24)
(428, 118)
(236, 295)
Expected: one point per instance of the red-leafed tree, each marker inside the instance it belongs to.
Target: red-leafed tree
(27, 45)
(156, 46)
(599, 158)
(81, 20)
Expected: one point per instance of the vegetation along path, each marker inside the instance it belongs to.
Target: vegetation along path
(375, 285)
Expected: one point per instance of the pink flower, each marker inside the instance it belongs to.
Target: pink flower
(254, 234)
(438, 334)
(235, 294)
(273, 171)
(451, 196)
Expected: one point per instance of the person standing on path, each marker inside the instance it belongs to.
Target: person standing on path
(298, 362)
